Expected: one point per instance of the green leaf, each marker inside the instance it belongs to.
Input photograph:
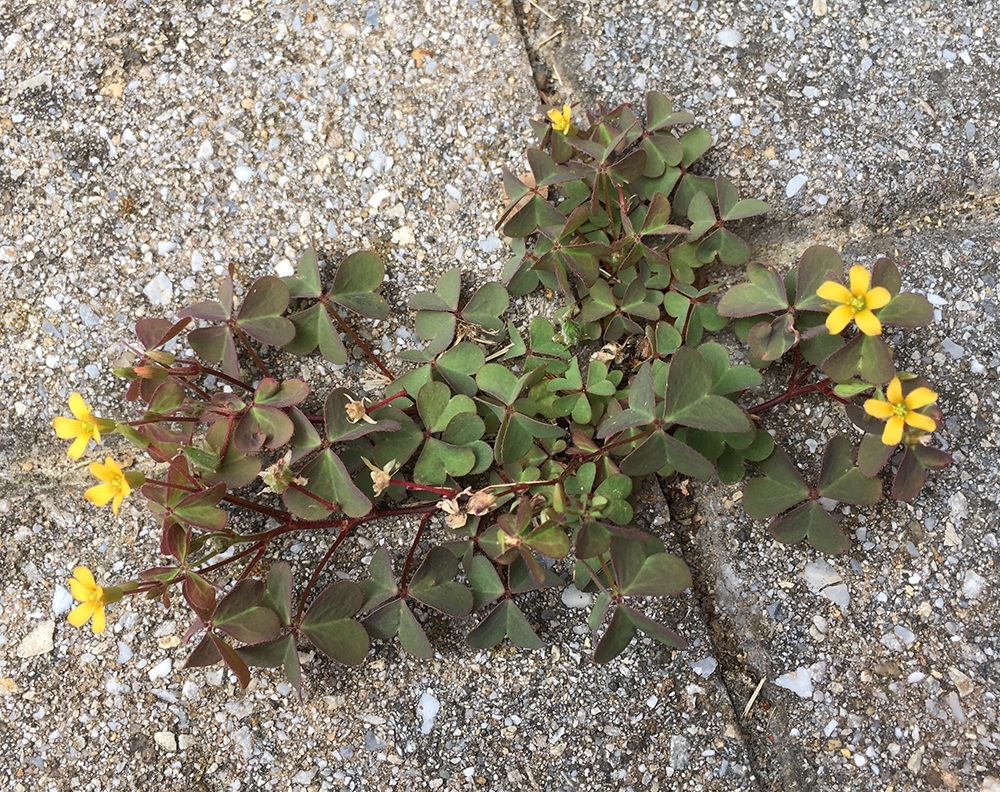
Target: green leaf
(328, 479)
(240, 615)
(459, 365)
(810, 521)
(445, 296)
(661, 575)
(314, 328)
(546, 171)
(216, 345)
(260, 316)
(329, 626)
(271, 654)
(731, 250)
(841, 480)
(868, 356)
(780, 488)
(354, 285)
(500, 382)
(885, 273)
(769, 342)
(506, 620)
(533, 216)
(306, 282)
(655, 630)
(434, 584)
(262, 426)
(818, 264)
(278, 596)
(906, 310)
(616, 638)
(701, 214)
(660, 112)
(485, 307)
(873, 454)
(661, 449)
(485, 582)
(689, 401)
(166, 398)
(381, 585)
(695, 142)
(200, 509)
(438, 460)
(726, 379)
(764, 293)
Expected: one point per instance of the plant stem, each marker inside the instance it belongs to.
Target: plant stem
(223, 376)
(385, 401)
(257, 361)
(448, 493)
(413, 548)
(344, 533)
(364, 348)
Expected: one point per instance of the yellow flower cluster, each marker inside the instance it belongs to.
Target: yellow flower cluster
(81, 428)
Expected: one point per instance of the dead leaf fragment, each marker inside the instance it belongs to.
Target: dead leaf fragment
(419, 54)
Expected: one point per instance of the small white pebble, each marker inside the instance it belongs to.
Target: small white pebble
(427, 709)
(243, 173)
(229, 66)
(795, 184)
(161, 669)
(62, 600)
(728, 37)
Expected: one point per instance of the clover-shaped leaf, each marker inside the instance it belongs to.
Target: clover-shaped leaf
(329, 626)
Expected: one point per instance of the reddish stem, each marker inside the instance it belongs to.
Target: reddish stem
(344, 533)
(448, 493)
(364, 348)
(413, 548)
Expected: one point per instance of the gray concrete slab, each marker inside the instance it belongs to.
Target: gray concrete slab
(866, 127)
(147, 146)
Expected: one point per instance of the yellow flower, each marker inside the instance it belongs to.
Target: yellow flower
(81, 427)
(92, 597)
(900, 411)
(856, 303)
(115, 485)
(562, 122)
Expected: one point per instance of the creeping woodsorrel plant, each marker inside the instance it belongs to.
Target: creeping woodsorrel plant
(510, 445)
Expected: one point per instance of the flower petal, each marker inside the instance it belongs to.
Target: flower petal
(101, 494)
(99, 471)
(67, 427)
(893, 431)
(85, 576)
(79, 590)
(877, 298)
(116, 503)
(81, 614)
(868, 323)
(860, 280)
(100, 621)
(838, 319)
(835, 292)
(919, 421)
(920, 397)
(79, 445)
(78, 407)
(878, 409)
(894, 391)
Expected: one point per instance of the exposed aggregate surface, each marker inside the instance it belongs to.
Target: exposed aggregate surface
(147, 146)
